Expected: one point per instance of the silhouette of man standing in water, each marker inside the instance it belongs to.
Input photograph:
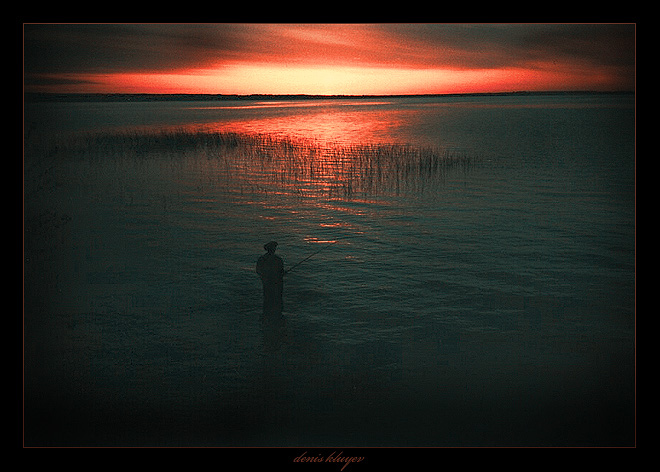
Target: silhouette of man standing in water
(271, 270)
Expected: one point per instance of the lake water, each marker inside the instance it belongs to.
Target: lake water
(488, 303)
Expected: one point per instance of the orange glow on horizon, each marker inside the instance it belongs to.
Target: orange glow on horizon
(245, 79)
(328, 59)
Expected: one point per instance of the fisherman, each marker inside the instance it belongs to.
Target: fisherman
(271, 270)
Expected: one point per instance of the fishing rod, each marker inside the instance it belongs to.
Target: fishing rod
(316, 252)
(309, 257)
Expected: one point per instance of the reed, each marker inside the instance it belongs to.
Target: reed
(302, 167)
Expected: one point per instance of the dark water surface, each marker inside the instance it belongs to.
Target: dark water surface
(490, 304)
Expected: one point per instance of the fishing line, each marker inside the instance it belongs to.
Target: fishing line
(316, 252)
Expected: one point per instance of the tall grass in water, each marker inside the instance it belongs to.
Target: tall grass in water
(286, 165)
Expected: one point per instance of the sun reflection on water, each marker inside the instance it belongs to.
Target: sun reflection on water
(363, 122)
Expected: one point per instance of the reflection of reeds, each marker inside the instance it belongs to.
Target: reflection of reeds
(293, 166)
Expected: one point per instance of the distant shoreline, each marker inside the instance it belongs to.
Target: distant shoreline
(149, 97)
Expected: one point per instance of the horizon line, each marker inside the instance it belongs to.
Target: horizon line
(111, 95)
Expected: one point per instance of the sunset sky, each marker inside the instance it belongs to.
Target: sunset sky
(328, 59)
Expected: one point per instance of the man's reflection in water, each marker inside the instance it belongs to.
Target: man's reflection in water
(273, 333)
